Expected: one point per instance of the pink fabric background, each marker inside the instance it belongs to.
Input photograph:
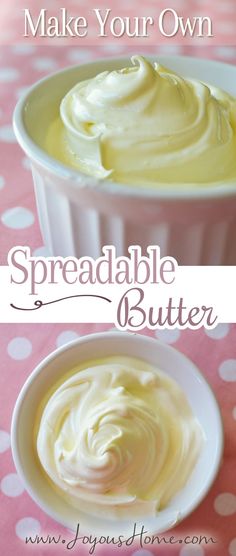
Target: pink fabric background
(23, 346)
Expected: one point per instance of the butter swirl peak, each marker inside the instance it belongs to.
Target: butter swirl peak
(145, 125)
(119, 436)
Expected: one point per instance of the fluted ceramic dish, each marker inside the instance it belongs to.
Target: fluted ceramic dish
(79, 214)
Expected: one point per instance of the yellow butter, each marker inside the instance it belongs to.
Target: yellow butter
(146, 126)
(119, 434)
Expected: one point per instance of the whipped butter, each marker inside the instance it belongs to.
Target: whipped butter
(118, 438)
(145, 125)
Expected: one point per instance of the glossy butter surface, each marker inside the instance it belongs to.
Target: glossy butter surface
(147, 126)
(119, 434)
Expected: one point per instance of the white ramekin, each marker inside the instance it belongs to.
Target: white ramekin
(79, 214)
(176, 365)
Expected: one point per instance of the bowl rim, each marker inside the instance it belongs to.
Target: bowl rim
(90, 338)
(79, 179)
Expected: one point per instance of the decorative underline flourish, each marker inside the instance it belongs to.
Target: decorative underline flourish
(38, 303)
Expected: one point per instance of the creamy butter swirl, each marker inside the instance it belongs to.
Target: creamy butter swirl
(120, 437)
(145, 125)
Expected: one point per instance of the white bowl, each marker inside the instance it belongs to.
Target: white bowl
(177, 366)
(79, 214)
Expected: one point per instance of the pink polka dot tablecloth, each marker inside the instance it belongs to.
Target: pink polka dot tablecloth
(214, 352)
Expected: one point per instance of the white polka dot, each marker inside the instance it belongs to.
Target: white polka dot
(66, 337)
(8, 75)
(225, 504)
(225, 7)
(51, 5)
(7, 134)
(2, 182)
(41, 64)
(234, 413)
(7, 35)
(113, 48)
(225, 26)
(132, 5)
(142, 553)
(17, 218)
(19, 348)
(168, 336)
(23, 49)
(78, 55)
(41, 252)
(232, 548)
(178, 4)
(75, 2)
(21, 91)
(26, 163)
(191, 551)
(26, 527)
(228, 52)
(11, 485)
(173, 49)
(227, 370)
(228, 5)
(219, 332)
(5, 441)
